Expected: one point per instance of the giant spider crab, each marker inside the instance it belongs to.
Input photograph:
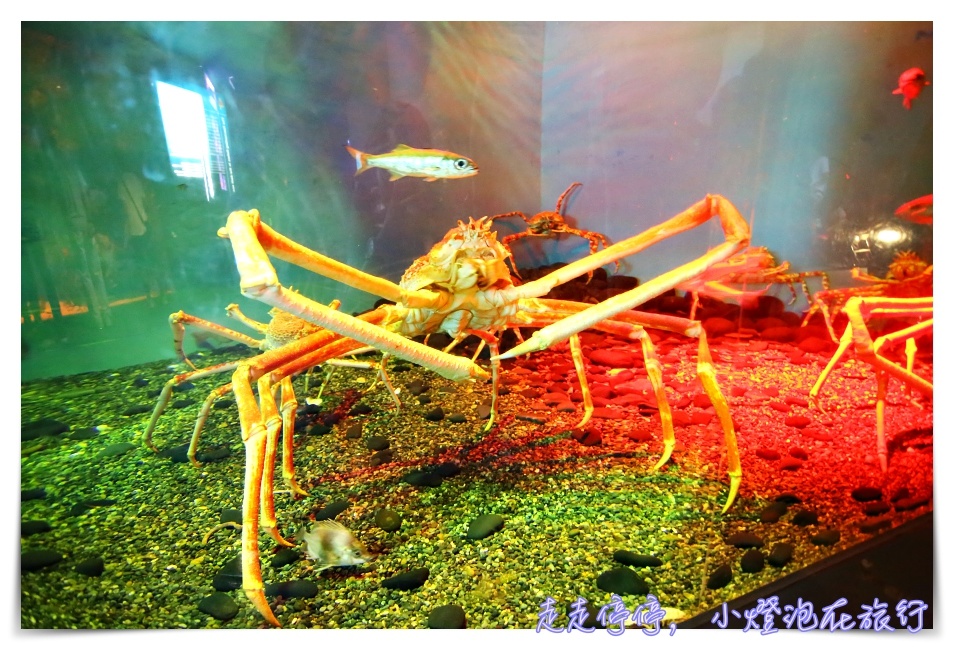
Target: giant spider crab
(461, 287)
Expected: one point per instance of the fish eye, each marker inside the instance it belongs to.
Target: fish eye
(460, 163)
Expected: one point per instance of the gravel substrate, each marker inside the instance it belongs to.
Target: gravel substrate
(469, 528)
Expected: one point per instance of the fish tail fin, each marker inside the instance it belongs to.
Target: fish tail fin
(360, 159)
(907, 103)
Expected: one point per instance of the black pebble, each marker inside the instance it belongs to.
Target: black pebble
(447, 617)
(805, 518)
(229, 576)
(446, 470)
(417, 387)
(380, 457)
(773, 512)
(332, 510)
(387, 520)
(318, 430)
(33, 527)
(353, 432)
(420, 478)
(745, 540)
(408, 580)
(753, 561)
(293, 589)
(84, 434)
(424, 399)
(231, 514)
(377, 443)
(178, 454)
(33, 560)
(780, 554)
(182, 403)
(876, 508)
(140, 382)
(635, 559)
(874, 525)
(910, 503)
(136, 409)
(720, 577)
(826, 537)
(285, 557)
(183, 387)
(457, 418)
(360, 409)
(93, 567)
(219, 606)
(788, 498)
(42, 427)
(484, 526)
(622, 580)
(32, 494)
(215, 453)
(435, 415)
(78, 509)
(225, 403)
(866, 493)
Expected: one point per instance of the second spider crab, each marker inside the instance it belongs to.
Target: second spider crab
(461, 287)
(753, 266)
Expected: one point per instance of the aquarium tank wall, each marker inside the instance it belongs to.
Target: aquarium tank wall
(139, 139)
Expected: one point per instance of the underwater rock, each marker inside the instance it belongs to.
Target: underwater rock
(817, 434)
(457, 418)
(360, 409)
(874, 508)
(447, 617)
(333, 509)
(613, 358)
(229, 576)
(797, 421)
(483, 411)
(753, 561)
(422, 478)
(177, 454)
(805, 518)
(93, 567)
(773, 512)
(42, 427)
(718, 326)
(213, 454)
(318, 430)
(424, 399)
(32, 494)
(416, 387)
(635, 559)
(781, 407)
(182, 403)
(767, 454)
(745, 540)
(787, 497)
(292, 589)
(484, 526)
(780, 554)
(219, 606)
(139, 382)
(875, 525)
(183, 387)
(387, 520)
(622, 580)
(901, 493)
(84, 434)
(789, 463)
(376, 443)
(866, 493)
(116, 450)
(446, 470)
(354, 432)
(38, 559)
(826, 537)
(408, 580)
(138, 409)
(781, 334)
(285, 557)
(814, 345)
(381, 457)
(588, 437)
(911, 503)
(795, 400)
(535, 418)
(798, 452)
(233, 515)
(720, 577)
(34, 527)
(435, 415)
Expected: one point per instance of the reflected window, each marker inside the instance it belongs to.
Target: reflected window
(196, 135)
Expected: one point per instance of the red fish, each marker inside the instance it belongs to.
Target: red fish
(910, 84)
(920, 210)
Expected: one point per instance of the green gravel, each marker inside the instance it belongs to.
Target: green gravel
(565, 513)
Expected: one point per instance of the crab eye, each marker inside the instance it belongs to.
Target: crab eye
(460, 163)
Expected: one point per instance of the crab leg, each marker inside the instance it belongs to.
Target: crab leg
(251, 239)
(737, 237)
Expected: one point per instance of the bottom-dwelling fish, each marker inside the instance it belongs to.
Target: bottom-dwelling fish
(429, 164)
(330, 544)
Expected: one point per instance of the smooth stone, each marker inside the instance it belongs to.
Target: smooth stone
(484, 526)
(780, 554)
(38, 559)
(720, 577)
(408, 580)
(42, 427)
(93, 567)
(285, 557)
(635, 559)
(231, 515)
(377, 443)
(805, 518)
(387, 520)
(447, 617)
(867, 493)
(435, 415)
(421, 478)
(827, 537)
(33, 527)
(753, 561)
(773, 512)
(745, 540)
(292, 589)
(116, 449)
(333, 509)
(219, 606)
(32, 494)
(622, 580)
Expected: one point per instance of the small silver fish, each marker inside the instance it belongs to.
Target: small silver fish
(429, 164)
(330, 544)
